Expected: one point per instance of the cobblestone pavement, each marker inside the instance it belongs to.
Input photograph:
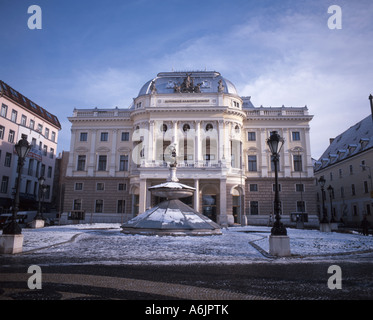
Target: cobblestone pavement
(259, 281)
(66, 276)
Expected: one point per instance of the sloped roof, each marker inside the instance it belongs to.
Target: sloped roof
(28, 104)
(351, 142)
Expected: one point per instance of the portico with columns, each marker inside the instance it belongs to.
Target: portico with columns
(220, 142)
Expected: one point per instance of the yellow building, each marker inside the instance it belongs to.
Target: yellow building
(220, 138)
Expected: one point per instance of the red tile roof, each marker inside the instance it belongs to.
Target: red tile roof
(28, 104)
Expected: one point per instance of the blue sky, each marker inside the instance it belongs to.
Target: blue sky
(100, 53)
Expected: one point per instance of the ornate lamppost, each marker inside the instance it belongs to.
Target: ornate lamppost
(275, 143)
(279, 242)
(331, 191)
(324, 222)
(22, 149)
(11, 240)
(322, 182)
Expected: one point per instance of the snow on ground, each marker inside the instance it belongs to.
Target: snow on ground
(105, 244)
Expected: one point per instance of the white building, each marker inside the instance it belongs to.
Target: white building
(220, 137)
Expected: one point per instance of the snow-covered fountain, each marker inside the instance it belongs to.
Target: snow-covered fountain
(172, 216)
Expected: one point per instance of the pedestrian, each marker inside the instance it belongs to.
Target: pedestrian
(365, 226)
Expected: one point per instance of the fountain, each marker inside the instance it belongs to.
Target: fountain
(172, 216)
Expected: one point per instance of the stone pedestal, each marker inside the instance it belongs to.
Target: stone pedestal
(279, 246)
(39, 223)
(334, 226)
(325, 227)
(11, 243)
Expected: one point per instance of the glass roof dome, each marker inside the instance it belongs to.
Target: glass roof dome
(188, 82)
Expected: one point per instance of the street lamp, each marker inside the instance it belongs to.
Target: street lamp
(22, 148)
(275, 143)
(322, 184)
(331, 192)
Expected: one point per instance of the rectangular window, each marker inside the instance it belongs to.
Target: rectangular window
(45, 150)
(251, 136)
(30, 167)
(49, 172)
(296, 135)
(254, 207)
(32, 124)
(104, 136)
(301, 206)
(99, 207)
(42, 170)
(299, 187)
(121, 206)
(100, 186)
(8, 159)
(125, 136)
(78, 186)
(122, 186)
(351, 169)
(4, 184)
(53, 138)
(4, 110)
(2, 132)
(11, 136)
(366, 189)
(123, 163)
(102, 163)
(353, 191)
(51, 153)
(252, 163)
(83, 136)
(297, 162)
(253, 187)
(81, 163)
(23, 120)
(40, 128)
(46, 133)
(274, 187)
(77, 204)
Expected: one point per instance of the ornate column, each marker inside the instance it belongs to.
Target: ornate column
(198, 143)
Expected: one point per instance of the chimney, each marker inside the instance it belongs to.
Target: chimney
(331, 140)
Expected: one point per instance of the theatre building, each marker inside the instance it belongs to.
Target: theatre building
(220, 140)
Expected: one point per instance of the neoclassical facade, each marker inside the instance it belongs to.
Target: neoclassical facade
(220, 138)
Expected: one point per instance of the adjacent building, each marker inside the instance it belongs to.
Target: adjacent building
(347, 166)
(19, 115)
(220, 139)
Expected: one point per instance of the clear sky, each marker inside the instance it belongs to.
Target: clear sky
(99, 54)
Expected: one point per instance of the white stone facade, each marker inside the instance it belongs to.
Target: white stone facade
(220, 138)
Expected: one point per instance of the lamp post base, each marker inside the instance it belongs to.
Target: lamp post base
(11, 243)
(38, 223)
(325, 227)
(279, 246)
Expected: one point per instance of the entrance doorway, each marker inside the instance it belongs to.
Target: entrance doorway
(209, 206)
